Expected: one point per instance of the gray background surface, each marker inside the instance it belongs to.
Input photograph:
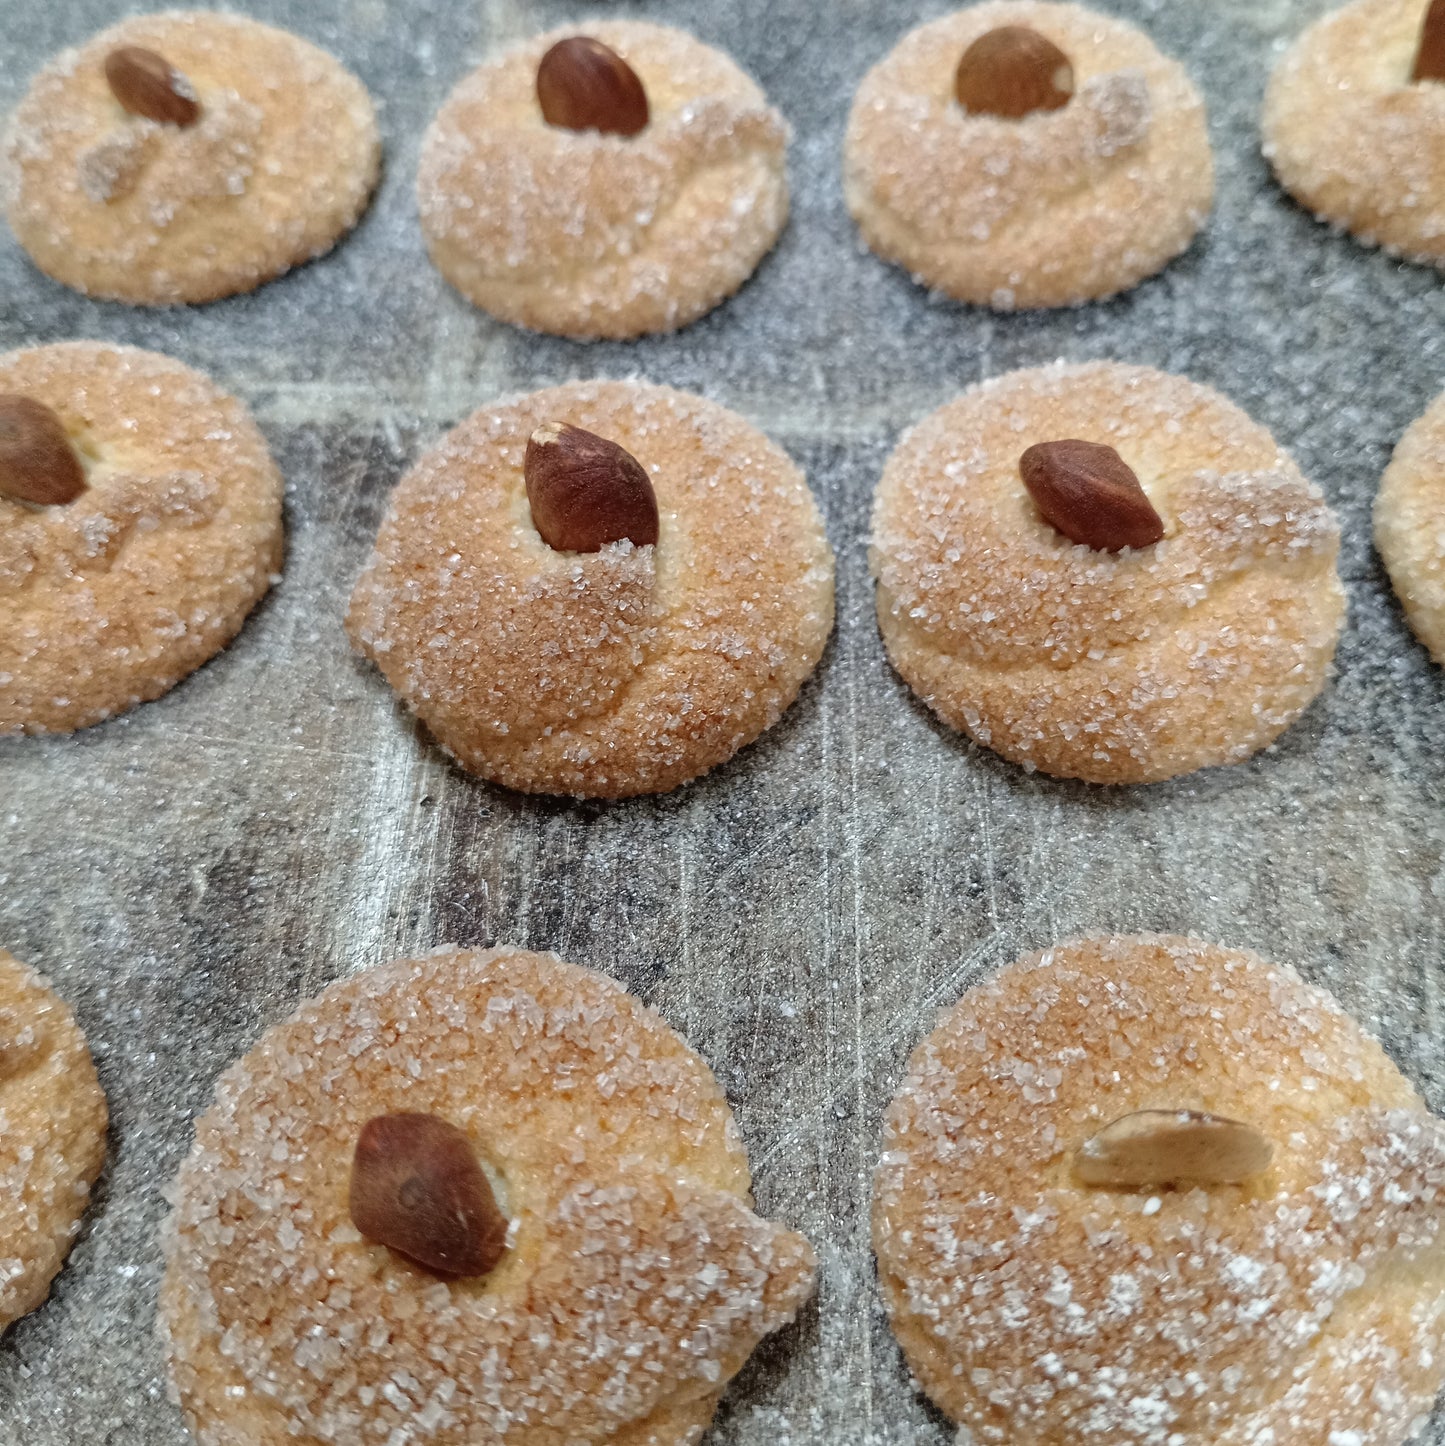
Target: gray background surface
(188, 873)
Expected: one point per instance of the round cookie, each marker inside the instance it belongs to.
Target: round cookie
(277, 166)
(635, 1281)
(627, 670)
(52, 1136)
(1349, 135)
(594, 235)
(1114, 667)
(1410, 525)
(1052, 208)
(1299, 1305)
(111, 599)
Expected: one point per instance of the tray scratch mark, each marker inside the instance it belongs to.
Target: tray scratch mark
(931, 890)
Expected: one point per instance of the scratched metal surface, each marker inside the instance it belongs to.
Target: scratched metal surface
(189, 872)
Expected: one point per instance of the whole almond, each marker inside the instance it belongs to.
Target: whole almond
(1172, 1147)
(585, 491)
(583, 85)
(1011, 72)
(416, 1186)
(1430, 56)
(147, 85)
(1090, 494)
(37, 462)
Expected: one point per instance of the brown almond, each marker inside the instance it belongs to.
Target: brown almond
(585, 491)
(37, 462)
(1430, 56)
(1172, 1147)
(584, 85)
(416, 1186)
(146, 84)
(1012, 72)
(1090, 493)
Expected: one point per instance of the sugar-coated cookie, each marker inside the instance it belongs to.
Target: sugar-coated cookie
(186, 155)
(52, 1136)
(1079, 166)
(1410, 525)
(599, 663)
(113, 593)
(1155, 1192)
(633, 1278)
(1115, 666)
(604, 232)
(1354, 136)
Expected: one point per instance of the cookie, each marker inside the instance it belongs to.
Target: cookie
(1025, 154)
(1259, 1257)
(1410, 525)
(111, 598)
(1080, 655)
(633, 1279)
(52, 1136)
(612, 231)
(1354, 137)
(232, 153)
(627, 669)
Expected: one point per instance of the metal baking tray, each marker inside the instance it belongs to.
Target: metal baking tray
(189, 872)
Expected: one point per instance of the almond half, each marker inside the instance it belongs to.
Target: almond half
(37, 462)
(1172, 1147)
(146, 84)
(585, 491)
(416, 1186)
(584, 85)
(1090, 494)
(1012, 72)
(1430, 56)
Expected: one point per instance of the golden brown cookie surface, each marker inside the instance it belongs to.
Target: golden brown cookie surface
(52, 1136)
(629, 670)
(278, 165)
(111, 599)
(593, 235)
(1410, 525)
(1115, 667)
(636, 1278)
(1053, 208)
(1349, 135)
(1305, 1305)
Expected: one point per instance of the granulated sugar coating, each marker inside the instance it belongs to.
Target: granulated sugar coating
(1123, 667)
(1410, 525)
(187, 873)
(278, 166)
(113, 598)
(1352, 139)
(629, 670)
(636, 1279)
(1055, 208)
(593, 235)
(1307, 1306)
(52, 1136)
